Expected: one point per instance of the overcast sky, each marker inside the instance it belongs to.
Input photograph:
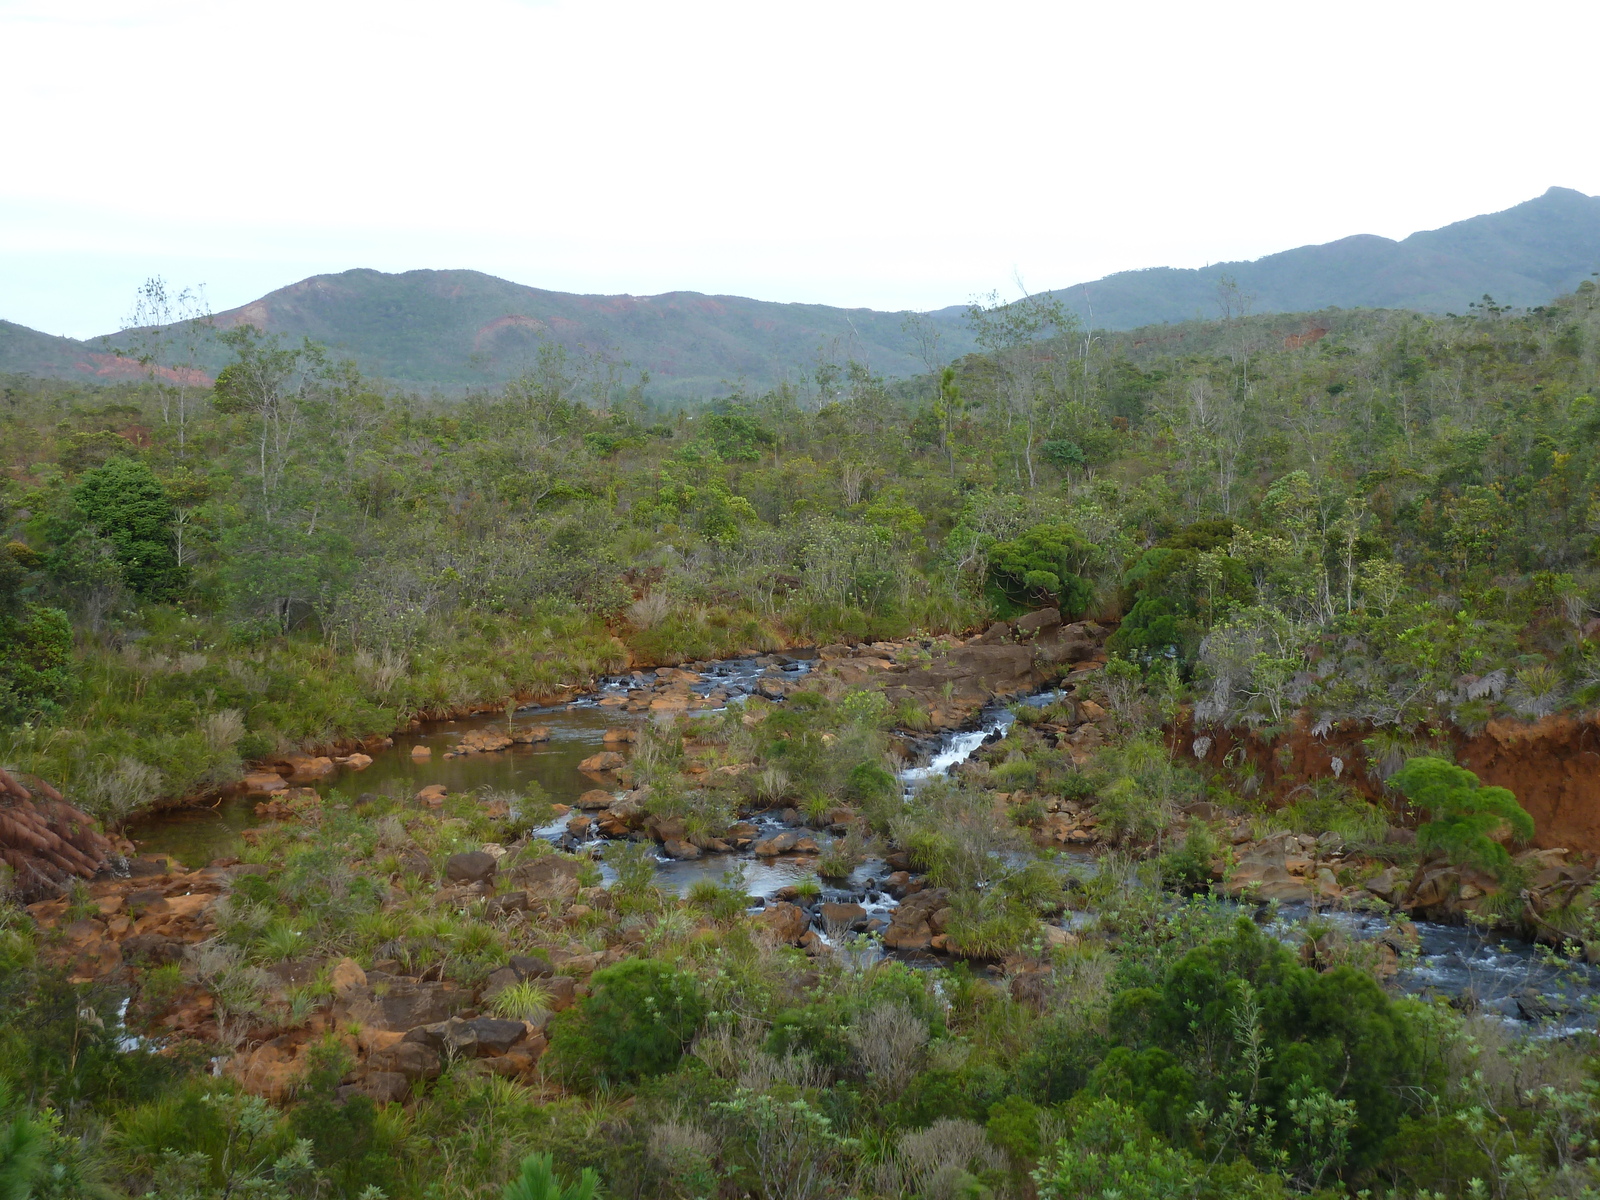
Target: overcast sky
(893, 155)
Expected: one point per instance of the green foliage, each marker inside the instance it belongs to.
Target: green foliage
(1466, 815)
(636, 1021)
(538, 1181)
(126, 504)
(1045, 565)
(36, 671)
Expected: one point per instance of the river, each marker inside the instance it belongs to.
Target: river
(1498, 974)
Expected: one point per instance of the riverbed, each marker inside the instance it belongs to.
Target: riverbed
(1514, 979)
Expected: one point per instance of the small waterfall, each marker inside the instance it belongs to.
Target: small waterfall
(957, 748)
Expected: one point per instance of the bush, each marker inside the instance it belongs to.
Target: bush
(1466, 815)
(1043, 566)
(636, 1021)
(36, 677)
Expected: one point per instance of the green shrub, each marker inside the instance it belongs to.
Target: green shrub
(1466, 814)
(1041, 567)
(1187, 868)
(637, 1019)
(36, 675)
(538, 1181)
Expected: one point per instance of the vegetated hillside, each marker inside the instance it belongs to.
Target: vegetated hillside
(1522, 257)
(1368, 539)
(455, 330)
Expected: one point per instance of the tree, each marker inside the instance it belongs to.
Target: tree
(1013, 336)
(636, 1020)
(126, 505)
(1042, 566)
(1466, 815)
(271, 382)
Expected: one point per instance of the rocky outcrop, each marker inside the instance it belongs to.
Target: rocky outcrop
(44, 841)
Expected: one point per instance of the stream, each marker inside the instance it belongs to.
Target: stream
(1515, 979)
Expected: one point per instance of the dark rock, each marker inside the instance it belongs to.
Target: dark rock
(404, 1005)
(842, 916)
(152, 949)
(531, 966)
(495, 1036)
(545, 876)
(1037, 623)
(475, 866)
(381, 1087)
(410, 1059)
(453, 1038)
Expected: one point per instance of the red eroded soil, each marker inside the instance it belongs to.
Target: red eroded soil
(110, 366)
(1552, 766)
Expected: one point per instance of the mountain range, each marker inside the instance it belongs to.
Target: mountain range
(451, 330)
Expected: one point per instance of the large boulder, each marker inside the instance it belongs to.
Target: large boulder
(543, 876)
(786, 922)
(474, 866)
(411, 1059)
(403, 1004)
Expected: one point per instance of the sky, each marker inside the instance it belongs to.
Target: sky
(880, 154)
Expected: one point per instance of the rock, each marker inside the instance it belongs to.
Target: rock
(531, 966)
(495, 1036)
(842, 916)
(409, 1058)
(678, 849)
(780, 843)
(1038, 623)
(421, 751)
(805, 845)
(264, 783)
(532, 735)
(433, 795)
(452, 1038)
(152, 949)
(474, 866)
(544, 876)
(269, 1071)
(786, 922)
(356, 762)
(404, 1005)
(595, 799)
(618, 736)
(835, 651)
(381, 1087)
(345, 977)
(1057, 938)
(606, 760)
(1092, 711)
(306, 766)
(563, 991)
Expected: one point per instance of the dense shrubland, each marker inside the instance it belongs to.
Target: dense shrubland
(1392, 527)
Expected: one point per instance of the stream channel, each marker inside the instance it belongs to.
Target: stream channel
(1502, 975)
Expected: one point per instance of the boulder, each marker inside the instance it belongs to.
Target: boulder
(452, 1038)
(786, 922)
(381, 1087)
(595, 799)
(421, 751)
(678, 849)
(532, 735)
(433, 795)
(544, 876)
(264, 783)
(842, 916)
(495, 1036)
(606, 760)
(404, 1004)
(409, 1058)
(474, 866)
(1037, 624)
(780, 843)
(346, 976)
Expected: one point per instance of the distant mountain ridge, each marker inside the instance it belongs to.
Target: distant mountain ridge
(1522, 256)
(456, 329)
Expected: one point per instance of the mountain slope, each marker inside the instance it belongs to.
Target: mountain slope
(456, 329)
(459, 328)
(1522, 256)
